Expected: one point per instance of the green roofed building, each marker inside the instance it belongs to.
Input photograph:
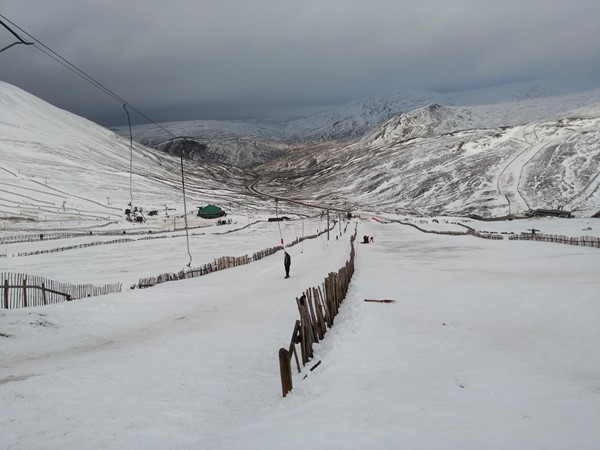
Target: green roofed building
(210, 212)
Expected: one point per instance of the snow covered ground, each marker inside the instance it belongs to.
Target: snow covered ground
(490, 344)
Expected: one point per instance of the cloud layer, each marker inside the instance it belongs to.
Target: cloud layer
(188, 59)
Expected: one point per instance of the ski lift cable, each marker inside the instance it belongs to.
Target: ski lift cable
(302, 251)
(73, 68)
(19, 39)
(187, 234)
(64, 62)
(321, 231)
(130, 157)
(278, 222)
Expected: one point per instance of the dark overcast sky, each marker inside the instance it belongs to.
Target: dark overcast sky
(200, 59)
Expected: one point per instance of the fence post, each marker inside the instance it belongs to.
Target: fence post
(6, 293)
(25, 292)
(44, 294)
(285, 368)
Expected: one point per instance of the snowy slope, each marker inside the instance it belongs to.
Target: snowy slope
(431, 160)
(507, 360)
(441, 160)
(492, 152)
(62, 169)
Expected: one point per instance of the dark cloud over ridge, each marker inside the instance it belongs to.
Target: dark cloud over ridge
(190, 59)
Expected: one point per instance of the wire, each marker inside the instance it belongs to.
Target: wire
(187, 235)
(130, 158)
(278, 222)
(20, 40)
(302, 235)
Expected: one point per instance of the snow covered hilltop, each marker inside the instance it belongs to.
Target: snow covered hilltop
(491, 153)
(418, 153)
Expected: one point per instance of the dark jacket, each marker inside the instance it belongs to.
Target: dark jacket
(287, 259)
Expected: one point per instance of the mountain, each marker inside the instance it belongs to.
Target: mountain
(67, 171)
(486, 159)
(440, 160)
(254, 142)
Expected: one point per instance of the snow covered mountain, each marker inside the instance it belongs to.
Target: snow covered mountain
(67, 171)
(487, 159)
(491, 107)
(439, 160)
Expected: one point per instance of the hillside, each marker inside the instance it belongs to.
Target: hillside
(443, 160)
(64, 171)
(492, 152)
(435, 160)
(252, 142)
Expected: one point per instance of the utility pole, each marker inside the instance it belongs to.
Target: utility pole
(327, 223)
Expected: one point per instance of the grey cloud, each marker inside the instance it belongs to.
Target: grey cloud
(241, 58)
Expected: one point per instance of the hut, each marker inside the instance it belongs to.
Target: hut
(210, 212)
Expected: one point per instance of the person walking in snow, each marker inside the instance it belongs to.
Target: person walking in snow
(287, 262)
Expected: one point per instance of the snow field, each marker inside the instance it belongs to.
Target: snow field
(158, 368)
(490, 344)
(128, 262)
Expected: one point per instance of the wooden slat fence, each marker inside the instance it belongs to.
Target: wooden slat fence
(224, 262)
(150, 235)
(470, 231)
(20, 290)
(72, 247)
(40, 237)
(585, 241)
(318, 307)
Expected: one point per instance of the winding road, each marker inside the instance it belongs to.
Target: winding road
(510, 176)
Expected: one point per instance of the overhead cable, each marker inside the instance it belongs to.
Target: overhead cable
(19, 39)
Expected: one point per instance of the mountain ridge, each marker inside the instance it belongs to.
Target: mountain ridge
(433, 160)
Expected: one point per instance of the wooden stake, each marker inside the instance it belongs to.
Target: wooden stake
(25, 292)
(44, 294)
(6, 294)
(285, 369)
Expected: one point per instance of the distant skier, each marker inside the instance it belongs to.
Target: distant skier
(287, 262)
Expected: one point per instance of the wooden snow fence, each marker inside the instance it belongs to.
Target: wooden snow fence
(584, 241)
(21, 290)
(469, 232)
(318, 307)
(40, 237)
(222, 263)
(72, 247)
